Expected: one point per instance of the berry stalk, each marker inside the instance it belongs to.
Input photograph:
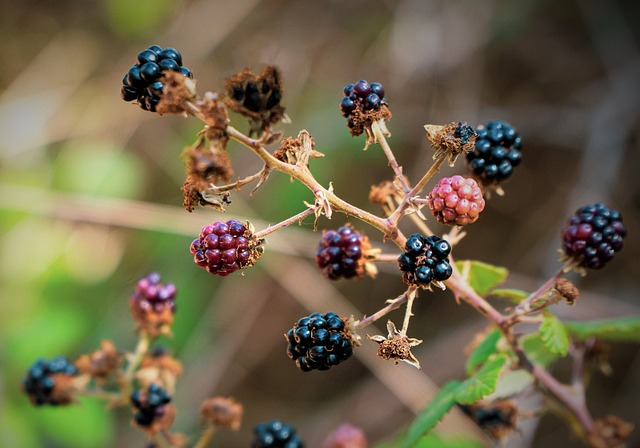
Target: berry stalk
(393, 163)
(394, 304)
(296, 218)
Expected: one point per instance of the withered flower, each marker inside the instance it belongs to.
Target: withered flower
(396, 346)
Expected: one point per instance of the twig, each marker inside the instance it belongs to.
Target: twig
(393, 305)
(299, 217)
(377, 132)
(205, 437)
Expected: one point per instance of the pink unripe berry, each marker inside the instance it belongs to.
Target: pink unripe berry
(456, 201)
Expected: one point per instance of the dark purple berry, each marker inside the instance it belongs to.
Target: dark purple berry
(377, 88)
(497, 152)
(362, 88)
(170, 53)
(425, 259)
(593, 235)
(339, 251)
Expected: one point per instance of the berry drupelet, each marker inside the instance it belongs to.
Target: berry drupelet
(456, 201)
(319, 341)
(275, 434)
(47, 382)
(142, 82)
(498, 150)
(362, 96)
(341, 253)
(150, 405)
(425, 260)
(593, 236)
(224, 247)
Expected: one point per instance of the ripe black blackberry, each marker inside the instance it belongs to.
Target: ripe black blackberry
(593, 235)
(224, 247)
(497, 151)
(150, 405)
(275, 434)
(340, 253)
(142, 81)
(424, 260)
(361, 95)
(45, 381)
(319, 341)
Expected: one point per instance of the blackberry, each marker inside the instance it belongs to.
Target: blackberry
(150, 405)
(498, 150)
(363, 96)
(47, 382)
(275, 434)
(224, 247)
(593, 235)
(319, 341)
(425, 260)
(456, 201)
(341, 253)
(142, 81)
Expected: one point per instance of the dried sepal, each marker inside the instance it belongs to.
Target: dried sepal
(567, 290)
(362, 121)
(178, 89)
(257, 97)
(102, 363)
(297, 151)
(224, 412)
(396, 346)
(609, 432)
(451, 140)
(321, 206)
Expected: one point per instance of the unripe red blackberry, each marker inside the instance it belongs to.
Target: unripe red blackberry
(142, 81)
(319, 341)
(47, 382)
(425, 260)
(151, 405)
(497, 151)
(593, 236)
(224, 247)
(275, 434)
(341, 253)
(456, 201)
(152, 304)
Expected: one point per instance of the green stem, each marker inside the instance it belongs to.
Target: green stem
(205, 437)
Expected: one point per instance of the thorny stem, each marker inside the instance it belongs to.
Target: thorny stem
(546, 286)
(299, 217)
(410, 196)
(205, 437)
(408, 313)
(379, 135)
(215, 189)
(393, 305)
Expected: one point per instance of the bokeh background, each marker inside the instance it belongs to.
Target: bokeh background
(90, 196)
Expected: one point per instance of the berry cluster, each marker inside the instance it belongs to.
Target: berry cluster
(223, 248)
(456, 201)
(151, 295)
(42, 378)
(361, 94)
(498, 150)
(275, 434)
(319, 341)
(424, 260)
(593, 235)
(340, 253)
(150, 405)
(142, 81)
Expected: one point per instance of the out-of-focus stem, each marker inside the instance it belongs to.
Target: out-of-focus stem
(205, 437)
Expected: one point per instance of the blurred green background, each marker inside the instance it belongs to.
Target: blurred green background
(90, 195)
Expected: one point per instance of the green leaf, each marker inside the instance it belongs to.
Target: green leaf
(554, 335)
(511, 383)
(512, 295)
(427, 419)
(481, 353)
(434, 440)
(482, 383)
(618, 329)
(536, 350)
(482, 276)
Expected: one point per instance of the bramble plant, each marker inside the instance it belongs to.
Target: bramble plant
(507, 357)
